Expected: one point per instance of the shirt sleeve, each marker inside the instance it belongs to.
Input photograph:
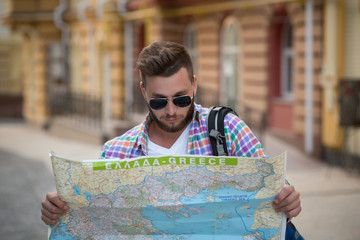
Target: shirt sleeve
(102, 152)
(241, 141)
(105, 148)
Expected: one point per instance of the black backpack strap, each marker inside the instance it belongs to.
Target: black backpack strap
(215, 126)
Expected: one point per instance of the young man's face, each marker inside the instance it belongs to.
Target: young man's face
(171, 118)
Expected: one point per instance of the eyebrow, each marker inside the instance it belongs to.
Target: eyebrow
(158, 95)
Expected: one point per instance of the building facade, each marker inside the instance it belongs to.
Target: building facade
(31, 21)
(11, 98)
(270, 60)
(340, 82)
(250, 55)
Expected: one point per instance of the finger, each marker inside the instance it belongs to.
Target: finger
(50, 215)
(50, 207)
(291, 198)
(50, 212)
(293, 213)
(48, 221)
(289, 207)
(55, 200)
(286, 191)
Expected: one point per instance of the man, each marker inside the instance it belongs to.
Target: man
(175, 125)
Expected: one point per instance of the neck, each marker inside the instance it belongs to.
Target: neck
(163, 138)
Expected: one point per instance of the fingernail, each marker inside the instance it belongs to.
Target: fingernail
(66, 208)
(276, 201)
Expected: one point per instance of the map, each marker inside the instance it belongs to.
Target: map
(169, 197)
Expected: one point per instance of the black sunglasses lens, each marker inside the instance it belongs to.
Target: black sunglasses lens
(158, 103)
(182, 101)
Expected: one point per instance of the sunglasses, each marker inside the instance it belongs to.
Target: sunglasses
(160, 103)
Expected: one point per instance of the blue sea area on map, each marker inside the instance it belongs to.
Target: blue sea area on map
(231, 214)
(60, 233)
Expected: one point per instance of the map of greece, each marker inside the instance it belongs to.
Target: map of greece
(169, 197)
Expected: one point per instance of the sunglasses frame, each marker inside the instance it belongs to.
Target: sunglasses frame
(166, 100)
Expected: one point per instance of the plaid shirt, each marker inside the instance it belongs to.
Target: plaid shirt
(239, 138)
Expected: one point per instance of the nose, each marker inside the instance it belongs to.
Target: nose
(170, 108)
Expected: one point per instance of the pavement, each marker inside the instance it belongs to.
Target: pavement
(330, 196)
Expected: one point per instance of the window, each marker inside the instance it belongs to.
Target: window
(352, 37)
(230, 64)
(287, 56)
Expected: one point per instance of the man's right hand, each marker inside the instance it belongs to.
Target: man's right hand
(52, 208)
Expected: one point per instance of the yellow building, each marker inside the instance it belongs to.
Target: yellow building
(10, 69)
(340, 132)
(94, 92)
(250, 55)
(32, 22)
(261, 57)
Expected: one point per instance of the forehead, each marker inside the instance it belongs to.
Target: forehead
(169, 86)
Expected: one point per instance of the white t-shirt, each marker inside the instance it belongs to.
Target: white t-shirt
(180, 147)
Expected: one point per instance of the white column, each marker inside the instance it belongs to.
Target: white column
(309, 145)
(107, 96)
(129, 78)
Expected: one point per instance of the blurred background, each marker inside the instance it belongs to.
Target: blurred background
(290, 68)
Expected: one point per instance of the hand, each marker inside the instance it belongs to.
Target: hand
(288, 202)
(52, 208)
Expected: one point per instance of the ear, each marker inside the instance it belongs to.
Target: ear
(195, 84)
(142, 90)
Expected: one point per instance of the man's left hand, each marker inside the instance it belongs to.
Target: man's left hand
(288, 201)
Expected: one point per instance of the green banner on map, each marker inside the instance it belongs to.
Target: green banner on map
(161, 161)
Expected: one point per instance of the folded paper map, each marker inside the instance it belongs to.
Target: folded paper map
(169, 197)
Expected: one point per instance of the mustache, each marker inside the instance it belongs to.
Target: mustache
(171, 116)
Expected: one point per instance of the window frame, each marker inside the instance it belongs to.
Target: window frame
(228, 53)
(287, 62)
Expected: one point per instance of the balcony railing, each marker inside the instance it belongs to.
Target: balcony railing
(84, 108)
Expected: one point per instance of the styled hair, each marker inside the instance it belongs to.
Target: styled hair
(163, 59)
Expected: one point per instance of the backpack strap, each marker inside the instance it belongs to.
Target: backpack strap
(215, 127)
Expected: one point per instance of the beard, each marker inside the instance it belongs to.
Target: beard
(174, 128)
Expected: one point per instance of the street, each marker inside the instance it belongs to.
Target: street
(23, 182)
(330, 196)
